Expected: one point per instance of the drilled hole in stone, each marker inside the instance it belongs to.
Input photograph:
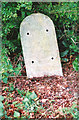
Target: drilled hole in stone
(27, 33)
(32, 61)
(52, 58)
(46, 30)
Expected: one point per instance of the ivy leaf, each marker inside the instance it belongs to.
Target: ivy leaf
(64, 53)
(15, 102)
(76, 64)
(1, 105)
(26, 100)
(5, 79)
(64, 60)
(1, 98)
(12, 88)
(26, 105)
(28, 93)
(16, 114)
(23, 5)
(1, 113)
(33, 95)
(65, 43)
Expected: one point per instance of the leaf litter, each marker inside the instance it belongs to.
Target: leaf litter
(55, 95)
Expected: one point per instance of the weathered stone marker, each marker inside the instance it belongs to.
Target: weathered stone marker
(39, 44)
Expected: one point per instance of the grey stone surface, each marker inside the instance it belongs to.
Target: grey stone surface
(39, 44)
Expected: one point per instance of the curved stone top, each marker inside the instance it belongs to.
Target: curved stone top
(39, 46)
(36, 20)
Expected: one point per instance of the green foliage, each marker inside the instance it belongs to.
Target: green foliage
(30, 101)
(64, 16)
(12, 15)
(11, 87)
(21, 92)
(6, 67)
(76, 63)
(1, 106)
(33, 95)
(16, 114)
(64, 53)
(73, 111)
(1, 98)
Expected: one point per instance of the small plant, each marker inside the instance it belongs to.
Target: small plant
(6, 67)
(11, 87)
(1, 106)
(31, 102)
(16, 114)
(27, 107)
(72, 110)
(76, 63)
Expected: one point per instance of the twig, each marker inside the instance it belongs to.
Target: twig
(53, 11)
(64, 30)
(20, 71)
(61, 37)
(17, 61)
(45, 112)
(74, 41)
(0, 87)
(68, 36)
(17, 76)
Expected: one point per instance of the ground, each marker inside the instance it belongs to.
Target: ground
(53, 97)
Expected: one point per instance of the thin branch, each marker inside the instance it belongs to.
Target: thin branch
(16, 76)
(75, 11)
(74, 41)
(61, 37)
(45, 112)
(64, 30)
(17, 61)
(20, 71)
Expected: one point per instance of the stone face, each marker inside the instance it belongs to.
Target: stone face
(39, 44)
